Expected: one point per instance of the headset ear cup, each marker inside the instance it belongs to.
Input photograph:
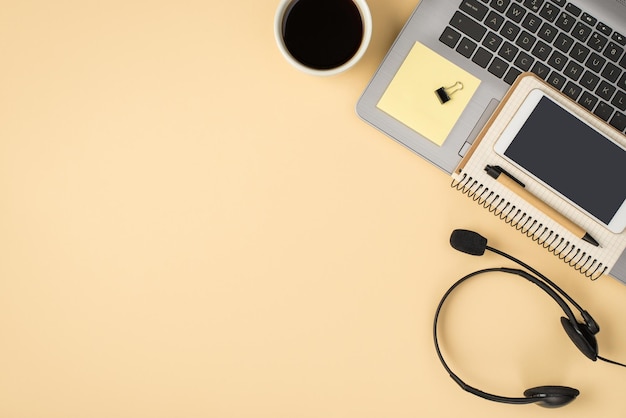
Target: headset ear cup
(552, 396)
(582, 338)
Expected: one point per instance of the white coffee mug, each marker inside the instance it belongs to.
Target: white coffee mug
(287, 10)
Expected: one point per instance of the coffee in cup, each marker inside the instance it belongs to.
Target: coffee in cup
(323, 37)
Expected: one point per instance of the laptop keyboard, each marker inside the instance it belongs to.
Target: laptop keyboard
(558, 41)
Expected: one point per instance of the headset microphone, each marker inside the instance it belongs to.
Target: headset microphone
(582, 334)
(468, 242)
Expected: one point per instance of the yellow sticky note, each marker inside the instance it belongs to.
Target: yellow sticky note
(411, 98)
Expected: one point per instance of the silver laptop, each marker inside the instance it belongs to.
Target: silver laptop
(579, 47)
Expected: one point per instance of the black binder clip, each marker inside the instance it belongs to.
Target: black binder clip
(444, 93)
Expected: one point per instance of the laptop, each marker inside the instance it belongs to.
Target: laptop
(578, 47)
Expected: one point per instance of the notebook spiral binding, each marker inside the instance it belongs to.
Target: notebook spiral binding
(558, 245)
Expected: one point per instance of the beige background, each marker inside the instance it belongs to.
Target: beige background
(191, 228)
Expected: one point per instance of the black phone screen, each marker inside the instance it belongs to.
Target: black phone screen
(572, 158)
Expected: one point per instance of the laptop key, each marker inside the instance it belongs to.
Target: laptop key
(597, 42)
(533, 5)
(492, 41)
(619, 101)
(618, 121)
(510, 31)
(595, 62)
(466, 47)
(557, 60)
(512, 75)
(500, 5)
(604, 29)
(611, 72)
(603, 111)
(515, 13)
(588, 19)
(549, 12)
(494, 21)
(473, 8)
(565, 21)
(588, 100)
(524, 61)
(579, 52)
(531, 22)
(573, 9)
(525, 41)
(573, 71)
(605, 91)
(563, 42)
(508, 51)
(619, 38)
(482, 57)
(581, 32)
(468, 26)
(589, 80)
(450, 37)
(613, 51)
(556, 80)
(498, 67)
(547, 32)
(540, 70)
(542, 51)
(572, 90)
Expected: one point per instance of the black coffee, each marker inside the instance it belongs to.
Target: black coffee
(322, 34)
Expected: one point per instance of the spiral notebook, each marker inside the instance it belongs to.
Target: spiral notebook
(471, 179)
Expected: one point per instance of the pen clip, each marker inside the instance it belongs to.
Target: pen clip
(495, 171)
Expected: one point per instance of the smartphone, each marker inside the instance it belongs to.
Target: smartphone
(570, 157)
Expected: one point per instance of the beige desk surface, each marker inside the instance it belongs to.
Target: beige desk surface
(191, 228)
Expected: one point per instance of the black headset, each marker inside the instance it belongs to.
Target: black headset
(582, 334)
